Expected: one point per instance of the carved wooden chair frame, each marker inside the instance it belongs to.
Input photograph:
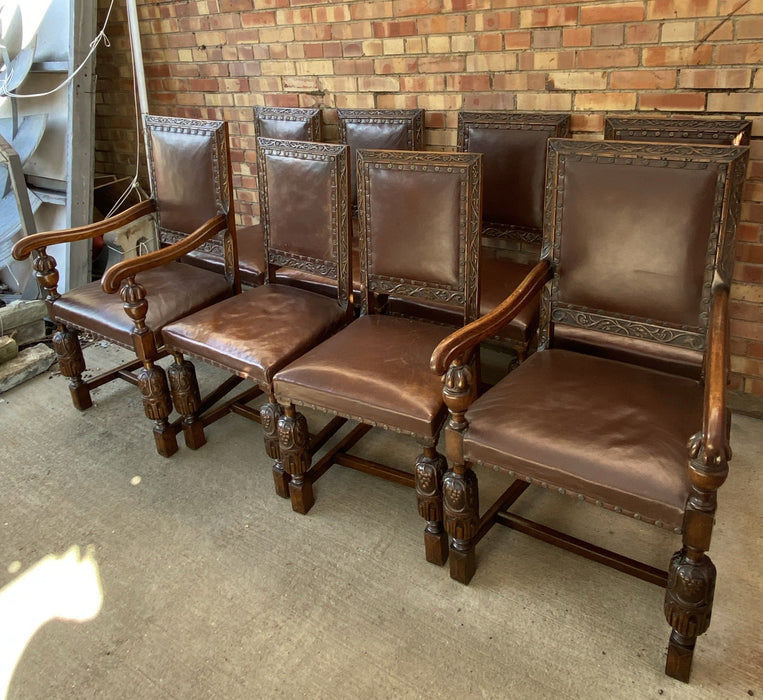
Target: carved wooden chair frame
(687, 611)
(311, 116)
(556, 125)
(430, 465)
(730, 132)
(217, 234)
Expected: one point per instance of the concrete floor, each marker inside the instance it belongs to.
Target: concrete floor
(213, 588)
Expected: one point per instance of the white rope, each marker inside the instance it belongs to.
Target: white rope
(100, 37)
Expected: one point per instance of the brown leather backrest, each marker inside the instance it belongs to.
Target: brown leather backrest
(513, 145)
(419, 226)
(189, 170)
(730, 132)
(293, 123)
(638, 235)
(304, 208)
(390, 129)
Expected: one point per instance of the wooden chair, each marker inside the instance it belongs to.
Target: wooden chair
(729, 132)
(292, 123)
(304, 202)
(393, 129)
(192, 206)
(513, 146)
(632, 364)
(419, 236)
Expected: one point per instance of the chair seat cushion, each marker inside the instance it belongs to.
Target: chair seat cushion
(173, 291)
(259, 331)
(499, 277)
(375, 371)
(613, 433)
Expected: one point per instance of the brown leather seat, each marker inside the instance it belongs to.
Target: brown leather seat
(729, 132)
(513, 146)
(632, 365)
(419, 238)
(192, 208)
(290, 123)
(305, 210)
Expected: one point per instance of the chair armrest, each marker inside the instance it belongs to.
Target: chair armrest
(715, 413)
(113, 277)
(37, 241)
(459, 344)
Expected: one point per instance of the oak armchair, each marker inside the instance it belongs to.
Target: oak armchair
(419, 237)
(623, 406)
(304, 203)
(192, 208)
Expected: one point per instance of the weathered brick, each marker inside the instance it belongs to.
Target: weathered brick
(741, 102)
(714, 78)
(548, 17)
(544, 102)
(643, 79)
(607, 35)
(677, 55)
(546, 60)
(576, 36)
(606, 58)
(605, 101)
(517, 40)
(385, 30)
(730, 54)
(642, 34)
(615, 13)
(673, 101)
(673, 9)
(577, 80)
(468, 83)
(491, 62)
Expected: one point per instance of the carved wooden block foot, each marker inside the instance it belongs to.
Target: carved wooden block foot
(678, 663)
(301, 494)
(166, 441)
(436, 546)
(281, 481)
(193, 433)
(80, 395)
(463, 562)
(72, 364)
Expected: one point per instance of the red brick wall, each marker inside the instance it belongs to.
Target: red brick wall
(219, 58)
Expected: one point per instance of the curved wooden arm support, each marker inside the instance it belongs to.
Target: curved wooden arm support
(38, 241)
(709, 450)
(114, 276)
(458, 345)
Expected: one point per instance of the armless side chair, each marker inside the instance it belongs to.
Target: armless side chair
(292, 123)
(623, 406)
(419, 237)
(513, 147)
(722, 132)
(304, 201)
(192, 207)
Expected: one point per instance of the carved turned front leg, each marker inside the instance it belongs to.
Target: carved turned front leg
(152, 381)
(72, 364)
(460, 492)
(157, 405)
(691, 576)
(430, 469)
(270, 413)
(187, 399)
(294, 446)
(65, 340)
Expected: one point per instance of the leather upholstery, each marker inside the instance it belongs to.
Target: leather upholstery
(375, 370)
(185, 202)
(291, 123)
(612, 431)
(257, 332)
(172, 291)
(514, 174)
(395, 130)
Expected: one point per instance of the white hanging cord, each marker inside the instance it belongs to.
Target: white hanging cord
(134, 182)
(100, 37)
